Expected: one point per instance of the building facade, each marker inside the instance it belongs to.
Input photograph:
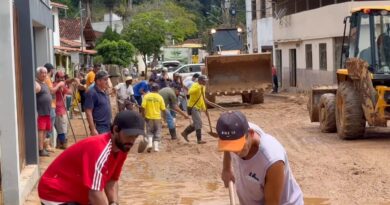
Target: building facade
(26, 36)
(259, 26)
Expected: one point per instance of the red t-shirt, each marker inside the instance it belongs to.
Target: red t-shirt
(87, 165)
(274, 71)
(60, 105)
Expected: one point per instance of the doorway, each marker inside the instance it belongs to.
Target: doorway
(293, 67)
(278, 64)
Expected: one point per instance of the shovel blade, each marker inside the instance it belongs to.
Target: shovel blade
(213, 134)
(142, 145)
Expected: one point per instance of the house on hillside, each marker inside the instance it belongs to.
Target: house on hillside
(79, 47)
(25, 38)
(116, 23)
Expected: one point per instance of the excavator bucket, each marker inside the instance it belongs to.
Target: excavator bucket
(238, 73)
(314, 100)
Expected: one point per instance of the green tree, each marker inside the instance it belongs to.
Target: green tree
(110, 35)
(147, 33)
(180, 22)
(116, 52)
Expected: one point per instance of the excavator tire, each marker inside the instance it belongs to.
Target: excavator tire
(327, 114)
(246, 98)
(350, 119)
(257, 97)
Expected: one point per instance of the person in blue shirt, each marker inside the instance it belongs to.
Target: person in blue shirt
(140, 89)
(97, 105)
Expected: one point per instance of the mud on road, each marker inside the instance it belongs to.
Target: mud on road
(329, 170)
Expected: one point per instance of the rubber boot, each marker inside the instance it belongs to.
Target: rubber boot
(199, 136)
(64, 144)
(155, 146)
(172, 132)
(150, 144)
(187, 131)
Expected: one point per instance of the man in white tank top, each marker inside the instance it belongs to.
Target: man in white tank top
(261, 171)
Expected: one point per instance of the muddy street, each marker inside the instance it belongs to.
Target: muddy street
(329, 170)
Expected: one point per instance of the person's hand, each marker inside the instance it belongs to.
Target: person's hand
(61, 84)
(94, 132)
(227, 176)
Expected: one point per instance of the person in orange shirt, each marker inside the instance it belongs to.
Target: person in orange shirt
(48, 143)
(91, 75)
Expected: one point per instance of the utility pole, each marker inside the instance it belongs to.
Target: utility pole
(225, 12)
(81, 29)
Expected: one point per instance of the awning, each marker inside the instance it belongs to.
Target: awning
(68, 49)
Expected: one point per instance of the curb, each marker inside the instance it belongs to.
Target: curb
(280, 96)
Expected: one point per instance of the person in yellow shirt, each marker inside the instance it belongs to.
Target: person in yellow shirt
(91, 75)
(153, 105)
(196, 104)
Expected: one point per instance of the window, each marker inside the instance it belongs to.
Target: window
(263, 10)
(313, 4)
(195, 68)
(184, 69)
(323, 58)
(326, 2)
(253, 9)
(309, 56)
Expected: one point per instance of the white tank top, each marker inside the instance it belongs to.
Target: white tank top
(250, 174)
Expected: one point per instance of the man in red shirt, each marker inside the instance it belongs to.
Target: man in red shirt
(274, 79)
(88, 171)
(61, 122)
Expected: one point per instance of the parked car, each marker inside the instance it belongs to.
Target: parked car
(170, 65)
(187, 70)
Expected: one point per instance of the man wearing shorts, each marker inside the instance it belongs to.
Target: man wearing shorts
(43, 98)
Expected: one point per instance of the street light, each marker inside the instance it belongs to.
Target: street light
(213, 31)
(239, 30)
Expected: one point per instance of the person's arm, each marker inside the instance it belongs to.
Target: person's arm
(274, 183)
(37, 87)
(178, 110)
(54, 89)
(97, 197)
(227, 173)
(111, 191)
(92, 127)
(88, 106)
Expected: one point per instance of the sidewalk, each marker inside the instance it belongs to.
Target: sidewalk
(44, 162)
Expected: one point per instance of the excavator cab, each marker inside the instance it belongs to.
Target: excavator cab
(362, 94)
(369, 40)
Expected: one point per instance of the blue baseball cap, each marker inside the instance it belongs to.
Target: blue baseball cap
(232, 126)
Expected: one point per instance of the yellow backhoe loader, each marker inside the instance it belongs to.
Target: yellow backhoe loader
(363, 92)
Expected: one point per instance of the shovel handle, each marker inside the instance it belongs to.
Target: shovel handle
(231, 193)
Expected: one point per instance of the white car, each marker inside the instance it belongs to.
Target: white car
(187, 70)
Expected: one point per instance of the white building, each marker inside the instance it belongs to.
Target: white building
(25, 35)
(259, 27)
(307, 40)
(117, 23)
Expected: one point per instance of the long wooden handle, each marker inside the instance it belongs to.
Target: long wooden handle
(207, 112)
(231, 193)
(208, 118)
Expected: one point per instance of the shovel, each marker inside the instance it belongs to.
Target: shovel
(231, 193)
(211, 133)
(142, 145)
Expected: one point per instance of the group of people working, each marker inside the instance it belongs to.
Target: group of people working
(88, 172)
